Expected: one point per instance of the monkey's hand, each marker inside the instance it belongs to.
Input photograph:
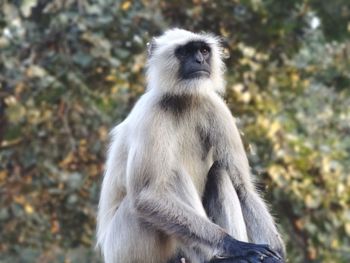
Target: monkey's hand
(232, 250)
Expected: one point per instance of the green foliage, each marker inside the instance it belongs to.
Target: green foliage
(70, 70)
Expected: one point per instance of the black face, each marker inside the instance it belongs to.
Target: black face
(194, 60)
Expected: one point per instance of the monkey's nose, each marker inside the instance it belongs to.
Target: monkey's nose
(199, 57)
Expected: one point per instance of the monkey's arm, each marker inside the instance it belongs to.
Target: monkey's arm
(166, 212)
(154, 184)
(261, 228)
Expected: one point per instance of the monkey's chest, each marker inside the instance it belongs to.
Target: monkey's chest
(196, 158)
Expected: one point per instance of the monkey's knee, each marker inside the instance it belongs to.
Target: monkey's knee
(222, 204)
(128, 240)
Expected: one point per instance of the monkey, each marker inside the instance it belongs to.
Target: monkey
(177, 183)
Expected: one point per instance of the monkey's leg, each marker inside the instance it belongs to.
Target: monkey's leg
(172, 208)
(261, 228)
(224, 208)
(188, 251)
(222, 205)
(130, 241)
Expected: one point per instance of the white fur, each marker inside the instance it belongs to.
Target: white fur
(155, 164)
(164, 78)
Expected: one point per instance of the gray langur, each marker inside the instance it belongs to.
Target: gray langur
(177, 182)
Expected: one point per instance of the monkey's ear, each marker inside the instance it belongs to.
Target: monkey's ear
(151, 46)
(225, 47)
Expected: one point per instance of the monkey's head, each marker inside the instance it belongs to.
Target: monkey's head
(184, 62)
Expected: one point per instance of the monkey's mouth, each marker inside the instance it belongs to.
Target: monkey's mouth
(198, 74)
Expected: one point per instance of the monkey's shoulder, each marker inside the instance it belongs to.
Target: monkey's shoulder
(155, 115)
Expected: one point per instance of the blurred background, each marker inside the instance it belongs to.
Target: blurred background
(72, 69)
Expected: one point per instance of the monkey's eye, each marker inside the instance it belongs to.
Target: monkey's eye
(204, 50)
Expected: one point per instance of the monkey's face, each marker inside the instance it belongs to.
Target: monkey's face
(194, 60)
(184, 62)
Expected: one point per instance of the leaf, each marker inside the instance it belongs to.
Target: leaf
(126, 5)
(82, 59)
(26, 7)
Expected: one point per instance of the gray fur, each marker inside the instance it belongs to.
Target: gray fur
(158, 164)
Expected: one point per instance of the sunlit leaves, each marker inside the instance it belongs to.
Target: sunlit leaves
(70, 70)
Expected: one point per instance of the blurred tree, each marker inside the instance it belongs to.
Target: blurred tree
(70, 70)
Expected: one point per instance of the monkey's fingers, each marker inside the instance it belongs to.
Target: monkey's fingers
(270, 253)
(255, 253)
(265, 256)
(271, 260)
